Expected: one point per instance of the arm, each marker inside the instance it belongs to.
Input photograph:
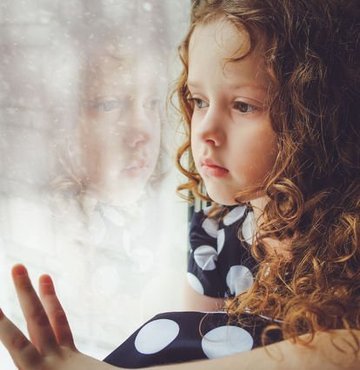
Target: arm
(52, 347)
(321, 354)
(285, 355)
(195, 301)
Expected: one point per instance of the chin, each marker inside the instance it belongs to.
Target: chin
(229, 203)
(121, 195)
(223, 199)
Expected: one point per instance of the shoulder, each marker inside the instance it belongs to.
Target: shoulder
(203, 224)
(237, 225)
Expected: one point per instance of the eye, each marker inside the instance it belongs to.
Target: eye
(199, 103)
(243, 107)
(107, 105)
(151, 104)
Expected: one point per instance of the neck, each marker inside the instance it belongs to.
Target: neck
(258, 205)
(273, 246)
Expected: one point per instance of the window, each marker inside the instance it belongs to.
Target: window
(87, 180)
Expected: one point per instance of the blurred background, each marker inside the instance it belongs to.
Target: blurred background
(87, 175)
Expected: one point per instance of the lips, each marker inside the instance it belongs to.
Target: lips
(135, 164)
(212, 168)
(135, 167)
(210, 163)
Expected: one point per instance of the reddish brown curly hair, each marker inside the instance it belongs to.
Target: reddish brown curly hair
(311, 51)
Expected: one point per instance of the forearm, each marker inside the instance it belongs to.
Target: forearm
(199, 302)
(321, 354)
(52, 348)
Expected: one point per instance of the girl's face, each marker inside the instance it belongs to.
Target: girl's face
(232, 141)
(120, 127)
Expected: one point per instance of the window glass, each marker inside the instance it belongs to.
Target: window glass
(87, 178)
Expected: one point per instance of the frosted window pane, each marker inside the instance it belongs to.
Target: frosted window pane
(87, 180)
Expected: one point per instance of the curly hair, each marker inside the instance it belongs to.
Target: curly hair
(311, 52)
(110, 41)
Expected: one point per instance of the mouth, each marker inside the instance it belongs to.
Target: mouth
(135, 167)
(212, 168)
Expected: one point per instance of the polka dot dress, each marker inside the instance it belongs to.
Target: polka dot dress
(175, 337)
(219, 266)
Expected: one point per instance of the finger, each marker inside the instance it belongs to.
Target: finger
(40, 330)
(55, 312)
(23, 353)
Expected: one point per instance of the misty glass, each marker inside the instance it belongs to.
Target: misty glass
(87, 179)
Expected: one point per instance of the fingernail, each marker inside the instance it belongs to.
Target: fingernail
(46, 279)
(19, 270)
(47, 285)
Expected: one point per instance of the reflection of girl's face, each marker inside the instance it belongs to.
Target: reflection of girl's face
(120, 130)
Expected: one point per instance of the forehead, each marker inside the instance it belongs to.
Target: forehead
(122, 73)
(211, 46)
(226, 40)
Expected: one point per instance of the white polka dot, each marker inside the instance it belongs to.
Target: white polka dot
(195, 283)
(220, 240)
(96, 228)
(225, 341)
(248, 228)
(210, 226)
(113, 215)
(205, 256)
(206, 210)
(156, 335)
(239, 279)
(234, 215)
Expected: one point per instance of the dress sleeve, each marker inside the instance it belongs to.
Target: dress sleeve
(219, 264)
(176, 337)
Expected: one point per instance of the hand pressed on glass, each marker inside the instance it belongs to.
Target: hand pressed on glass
(51, 345)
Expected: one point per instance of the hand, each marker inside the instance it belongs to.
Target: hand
(51, 345)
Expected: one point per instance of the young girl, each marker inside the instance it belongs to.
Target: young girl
(270, 97)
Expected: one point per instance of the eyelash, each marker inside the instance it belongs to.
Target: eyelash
(253, 108)
(195, 101)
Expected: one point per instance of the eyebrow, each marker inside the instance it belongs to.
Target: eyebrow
(194, 84)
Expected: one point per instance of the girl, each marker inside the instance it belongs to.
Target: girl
(270, 97)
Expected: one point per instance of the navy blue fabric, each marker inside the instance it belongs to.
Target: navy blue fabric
(183, 335)
(233, 253)
(187, 346)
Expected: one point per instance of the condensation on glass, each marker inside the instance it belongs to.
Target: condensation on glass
(87, 183)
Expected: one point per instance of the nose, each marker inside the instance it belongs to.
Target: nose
(211, 128)
(135, 137)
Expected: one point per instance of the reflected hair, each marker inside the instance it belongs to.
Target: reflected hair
(109, 41)
(310, 49)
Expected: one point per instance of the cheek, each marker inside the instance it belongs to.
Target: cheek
(194, 150)
(153, 149)
(257, 154)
